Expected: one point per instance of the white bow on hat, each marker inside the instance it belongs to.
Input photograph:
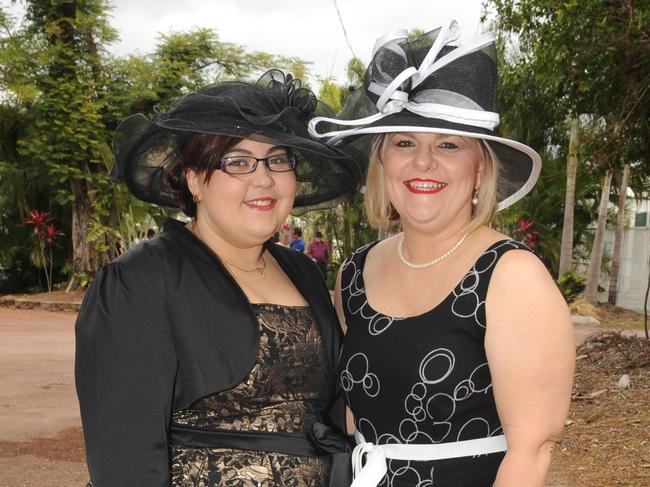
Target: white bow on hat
(426, 103)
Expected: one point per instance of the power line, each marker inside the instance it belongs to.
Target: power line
(343, 27)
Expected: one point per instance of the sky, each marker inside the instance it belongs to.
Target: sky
(309, 29)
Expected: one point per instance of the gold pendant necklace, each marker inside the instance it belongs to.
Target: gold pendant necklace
(261, 270)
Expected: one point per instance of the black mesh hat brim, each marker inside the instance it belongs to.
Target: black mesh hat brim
(145, 149)
(519, 164)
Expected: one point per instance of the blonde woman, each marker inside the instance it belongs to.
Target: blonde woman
(458, 360)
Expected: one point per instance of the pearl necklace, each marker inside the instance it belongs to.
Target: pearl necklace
(261, 270)
(453, 249)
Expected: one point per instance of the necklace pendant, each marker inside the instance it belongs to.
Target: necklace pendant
(262, 272)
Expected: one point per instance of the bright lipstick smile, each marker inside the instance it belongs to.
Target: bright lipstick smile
(424, 186)
(262, 204)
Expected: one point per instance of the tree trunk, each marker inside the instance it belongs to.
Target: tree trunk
(348, 228)
(331, 231)
(81, 214)
(566, 247)
(595, 262)
(645, 304)
(618, 236)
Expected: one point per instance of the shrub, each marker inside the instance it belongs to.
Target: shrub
(571, 285)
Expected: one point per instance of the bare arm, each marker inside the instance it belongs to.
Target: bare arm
(530, 348)
(338, 305)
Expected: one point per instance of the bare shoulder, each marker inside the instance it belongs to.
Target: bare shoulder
(522, 286)
(521, 266)
(383, 247)
(487, 233)
(379, 253)
(483, 238)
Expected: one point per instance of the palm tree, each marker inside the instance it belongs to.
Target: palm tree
(566, 246)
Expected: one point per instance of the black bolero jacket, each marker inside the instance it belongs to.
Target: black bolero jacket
(161, 327)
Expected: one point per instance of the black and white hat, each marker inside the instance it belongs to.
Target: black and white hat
(429, 85)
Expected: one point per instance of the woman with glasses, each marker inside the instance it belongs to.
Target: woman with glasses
(206, 356)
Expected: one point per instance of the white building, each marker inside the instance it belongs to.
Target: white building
(635, 258)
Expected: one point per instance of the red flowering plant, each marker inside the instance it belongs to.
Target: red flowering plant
(525, 234)
(38, 219)
(46, 234)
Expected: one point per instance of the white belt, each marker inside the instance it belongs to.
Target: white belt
(375, 468)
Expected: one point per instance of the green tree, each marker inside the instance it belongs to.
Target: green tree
(70, 94)
(59, 57)
(346, 223)
(595, 56)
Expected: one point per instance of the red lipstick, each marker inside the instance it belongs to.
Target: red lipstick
(424, 186)
(261, 204)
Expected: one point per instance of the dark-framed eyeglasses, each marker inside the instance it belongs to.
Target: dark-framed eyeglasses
(248, 164)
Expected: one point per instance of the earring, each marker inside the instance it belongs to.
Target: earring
(196, 198)
(475, 197)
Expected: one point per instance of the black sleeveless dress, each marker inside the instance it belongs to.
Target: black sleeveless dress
(423, 379)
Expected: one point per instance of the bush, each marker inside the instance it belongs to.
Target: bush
(571, 286)
(332, 272)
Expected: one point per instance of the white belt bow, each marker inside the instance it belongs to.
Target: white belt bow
(371, 473)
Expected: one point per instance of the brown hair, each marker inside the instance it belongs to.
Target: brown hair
(381, 213)
(201, 153)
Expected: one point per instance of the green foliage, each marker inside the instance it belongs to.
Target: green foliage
(588, 57)
(571, 286)
(80, 280)
(332, 273)
(544, 205)
(356, 70)
(415, 33)
(63, 96)
(186, 61)
(331, 94)
(588, 61)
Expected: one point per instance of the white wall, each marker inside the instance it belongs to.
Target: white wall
(633, 274)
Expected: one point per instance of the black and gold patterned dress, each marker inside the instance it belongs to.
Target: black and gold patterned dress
(286, 391)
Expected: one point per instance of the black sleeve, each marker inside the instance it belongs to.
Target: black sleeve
(125, 369)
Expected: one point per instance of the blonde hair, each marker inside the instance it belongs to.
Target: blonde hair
(381, 213)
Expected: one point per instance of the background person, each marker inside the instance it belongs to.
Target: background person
(206, 356)
(459, 354)
(297, 243)
(319, 250)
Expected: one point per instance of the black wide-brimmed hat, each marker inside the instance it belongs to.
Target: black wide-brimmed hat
(428, 85)
(275, 109)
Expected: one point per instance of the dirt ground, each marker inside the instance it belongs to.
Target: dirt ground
(607, 438)
(606, 443)
(40, 436)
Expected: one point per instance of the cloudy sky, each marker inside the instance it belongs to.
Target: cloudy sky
(309, 29)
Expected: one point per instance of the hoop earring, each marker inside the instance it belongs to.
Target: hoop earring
(196, 198)
(475, 197)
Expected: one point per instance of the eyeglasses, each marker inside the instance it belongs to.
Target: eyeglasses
(248, 164)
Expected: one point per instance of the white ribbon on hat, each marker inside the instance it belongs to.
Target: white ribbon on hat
(392, 100)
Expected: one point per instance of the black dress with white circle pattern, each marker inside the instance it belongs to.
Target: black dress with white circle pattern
(423, 379)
